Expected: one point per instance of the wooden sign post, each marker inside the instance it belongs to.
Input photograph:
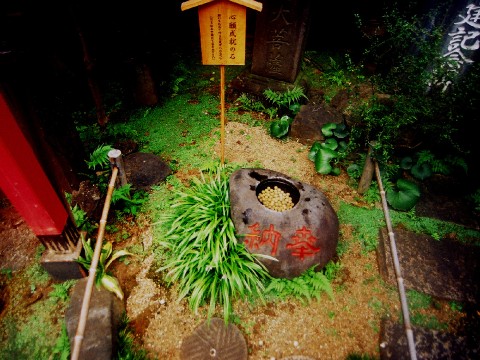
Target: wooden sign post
(222, 38)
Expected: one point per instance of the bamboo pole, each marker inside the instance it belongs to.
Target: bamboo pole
(82, 321)
(398, 272)
(222, 113)
(116, 160)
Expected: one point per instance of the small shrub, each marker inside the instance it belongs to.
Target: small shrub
(61, 291)
(107, 257)
(201, 251)
(327, 153)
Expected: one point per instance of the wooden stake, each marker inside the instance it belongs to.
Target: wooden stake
(222, 113)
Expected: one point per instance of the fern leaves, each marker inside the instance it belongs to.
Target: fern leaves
(99, 157)
(311, 284)
(286, 98)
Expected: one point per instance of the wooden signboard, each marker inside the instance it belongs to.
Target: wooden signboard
(222, 33)
(222, 29)
(222, 37)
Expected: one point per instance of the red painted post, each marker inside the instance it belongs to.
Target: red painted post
(26, 185)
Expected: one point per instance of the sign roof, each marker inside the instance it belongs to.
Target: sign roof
(255, 5)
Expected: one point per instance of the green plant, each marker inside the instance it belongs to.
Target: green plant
(325, 154)
(91, 134)
(372, 195)
(288, 100)
(127, 348)
(309, 285)
(424, 164)
(411, 107)
(418, 300)
(279, 128)
(475, 197)
(201, 251)
(80, 217)
(404, 195)
(435, 228)
(61, 350)
(127, 203)
(247, 103)
(107, 257)
(418, 303)
(7, 272)
(32, 341)
(99, 157)
(61, 291)
(354, 171)
(365, 222)
(336, 74)
(456, 306)
(287, 104)
(38, 334)
(124, 200)
(36, 274)
(176, 85)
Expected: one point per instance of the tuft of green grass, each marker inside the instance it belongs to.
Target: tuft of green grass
(127, 349)
(418, 303)
(200, 250)
(36, 274)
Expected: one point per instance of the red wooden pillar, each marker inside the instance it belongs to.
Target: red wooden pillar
(26, 185)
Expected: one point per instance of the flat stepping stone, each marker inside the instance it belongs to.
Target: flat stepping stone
(444, 269)
(145, 169)
(214, 340)
(429, 344)
(103, 321)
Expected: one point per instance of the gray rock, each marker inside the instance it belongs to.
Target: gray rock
(307, 125)
(299, 238)
(429, 344)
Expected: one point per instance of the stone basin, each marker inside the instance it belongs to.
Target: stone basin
(299, 238)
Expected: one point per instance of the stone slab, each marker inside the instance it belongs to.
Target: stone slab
(429, 344)
(250, 83)
(103, 320)
(280, 37)
(145, 169)
(445, 269)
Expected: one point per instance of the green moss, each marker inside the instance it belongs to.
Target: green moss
(366, 223)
